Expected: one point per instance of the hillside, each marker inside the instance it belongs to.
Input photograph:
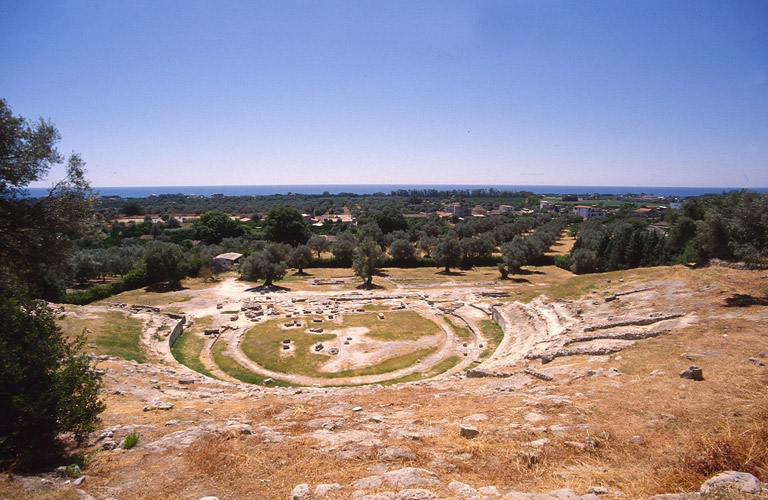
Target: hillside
(583, 392)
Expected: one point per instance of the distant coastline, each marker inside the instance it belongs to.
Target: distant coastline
(318, 189)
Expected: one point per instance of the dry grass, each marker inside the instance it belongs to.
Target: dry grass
(11, 491)
(688, 430)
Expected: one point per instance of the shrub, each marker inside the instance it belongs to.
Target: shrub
(131, 440)
(47, 387)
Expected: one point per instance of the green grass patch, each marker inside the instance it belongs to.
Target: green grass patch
(142, 296)
(396, 325)
(461, 332)
(263, 343)
(190, 344)
(493, 335)
(112, 333)
(231, 367)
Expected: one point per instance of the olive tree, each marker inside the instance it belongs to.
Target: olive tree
(268, 264)
(368, 259)
(447, 253)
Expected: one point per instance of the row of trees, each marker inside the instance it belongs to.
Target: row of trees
(731, 226)
(608, 247)
(526, 250)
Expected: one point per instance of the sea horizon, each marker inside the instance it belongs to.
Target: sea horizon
(361, 189)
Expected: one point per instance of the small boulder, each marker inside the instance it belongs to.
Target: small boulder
(301, 492)
(395, 453)
(462, 489)
(414, 494)
(367, 483)
(323, 489)
(692, 373)
(756, 361)
(410, 476)
(468, 432)
(733, 481)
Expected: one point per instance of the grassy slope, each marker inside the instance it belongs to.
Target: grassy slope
(190, 344)
(111, 333)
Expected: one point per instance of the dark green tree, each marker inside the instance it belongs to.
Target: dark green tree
(584, 261)
(286, 225)
(268, 264)
(214, 226)
(390, 219)
(165, 263)
(368, 259)
(47, 386)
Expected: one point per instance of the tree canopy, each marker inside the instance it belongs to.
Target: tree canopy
(368, 259)
(47, 386)
(214, 226)
(447, 253)
(165, 263)
(35, 247)
(286, 225)
(268, 264)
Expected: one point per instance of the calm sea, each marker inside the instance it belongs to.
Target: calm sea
(144, 191)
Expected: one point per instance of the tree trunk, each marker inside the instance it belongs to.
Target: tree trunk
(268, 282)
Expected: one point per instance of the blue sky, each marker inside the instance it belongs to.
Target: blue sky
(644, 93)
